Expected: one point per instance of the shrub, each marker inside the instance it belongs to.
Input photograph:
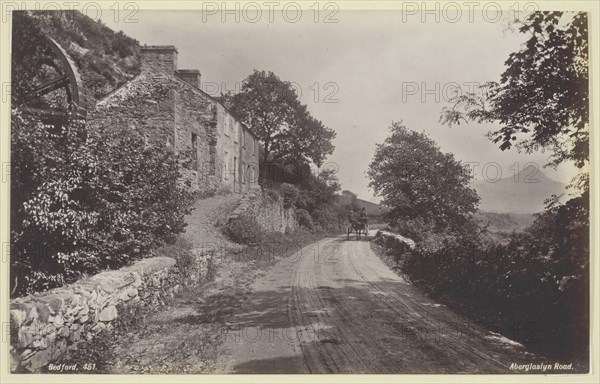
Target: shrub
(181, 252)
(329, 218)
(245, 230)
(83, 205)
(271, 194)
(290, 194)
(304, 219)
(540, 278)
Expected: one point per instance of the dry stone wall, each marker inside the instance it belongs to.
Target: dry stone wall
(44, 325)
(268, 210)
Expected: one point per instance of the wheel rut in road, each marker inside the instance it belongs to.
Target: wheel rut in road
(335, 307)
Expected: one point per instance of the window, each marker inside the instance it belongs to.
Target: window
(226, 127)
(225, 166)
(212, 158)
(194, 151)
(234, 172)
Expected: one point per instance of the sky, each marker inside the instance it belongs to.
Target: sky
(358, 73)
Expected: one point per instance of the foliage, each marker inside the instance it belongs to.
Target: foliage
(543, 286)
(271, 194)
(181, 252)
(562, 232)
(319, 197)
(543, 94)
(245, 230)
(418, 181)
(318, 191)
(288, 132)
(331, 218)
(290, 194)
(47, 216)
(304, 219)
(536, 284)
(83, 205)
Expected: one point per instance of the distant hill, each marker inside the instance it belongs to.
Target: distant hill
(504, 222)
(373, 209)
(524, 193)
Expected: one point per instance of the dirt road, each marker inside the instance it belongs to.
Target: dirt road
(335, 307)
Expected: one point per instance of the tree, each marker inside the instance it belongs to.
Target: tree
(288, 132)
(320, 200)
(351, 199)
(543, 94)
(418, 181)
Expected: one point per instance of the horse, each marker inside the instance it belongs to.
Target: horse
(359, 226)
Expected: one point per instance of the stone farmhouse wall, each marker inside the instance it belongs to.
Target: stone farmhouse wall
(168, 106)
(237, 150)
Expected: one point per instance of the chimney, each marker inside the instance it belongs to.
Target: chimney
(191, 76)
(159, 59)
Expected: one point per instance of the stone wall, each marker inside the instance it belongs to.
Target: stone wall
(391, 237)
(267, 209)
(145, 104)
(195, 121)
(43, 326)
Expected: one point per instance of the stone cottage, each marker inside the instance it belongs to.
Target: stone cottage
(168, 105)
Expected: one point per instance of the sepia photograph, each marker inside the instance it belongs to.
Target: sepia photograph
(298, 188)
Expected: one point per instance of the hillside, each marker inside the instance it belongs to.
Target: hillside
(504, 222)
(373, 210)
(524, 193)
(105, 58)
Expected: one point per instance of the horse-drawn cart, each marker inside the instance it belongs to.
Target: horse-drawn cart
(359, 226)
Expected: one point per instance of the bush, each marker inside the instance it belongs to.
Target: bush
(181, 252)
(83, 205)
(271, 194)
(539, 279)
(330, 218)
(304, 219)
(290, 194)
(245, 230)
